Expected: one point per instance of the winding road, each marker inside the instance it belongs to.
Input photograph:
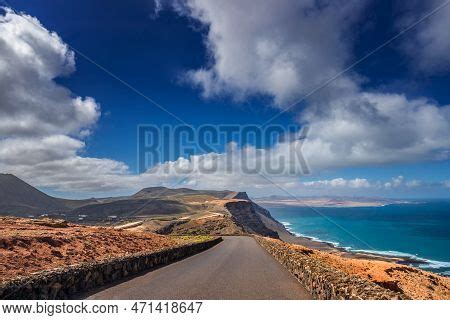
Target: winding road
(236, 268)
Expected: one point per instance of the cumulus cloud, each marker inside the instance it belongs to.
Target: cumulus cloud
(273, 47)
(284, 48)
(30, 151)
(375, 128)
(429, 44)
(42, 123)
(395, 182)
(32, 103)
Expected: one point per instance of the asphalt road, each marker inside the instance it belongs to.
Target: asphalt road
(236, 268)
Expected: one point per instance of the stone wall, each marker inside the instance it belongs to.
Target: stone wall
(66, 282)
(322, 281)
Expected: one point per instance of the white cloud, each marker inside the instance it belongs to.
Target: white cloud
(414, 183)
(273, 51)
(279, 48)
(395, 182)
(351, 185)
(401, 183)
(375, 128)
(41, 122)
(428, 44)
(284, 48)
(339, 183)
(32, 151)
(32, 103)
(158, 6)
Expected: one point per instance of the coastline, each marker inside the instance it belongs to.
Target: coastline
(291, 234)
(312, 243)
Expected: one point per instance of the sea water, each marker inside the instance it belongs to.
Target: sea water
(419, 230)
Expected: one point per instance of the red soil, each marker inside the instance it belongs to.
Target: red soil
(28, 246)
(415, 283)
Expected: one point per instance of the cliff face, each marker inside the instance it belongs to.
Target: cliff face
(252, 217)
(246, 214)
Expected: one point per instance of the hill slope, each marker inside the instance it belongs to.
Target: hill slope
(19, 198)
(183, 211)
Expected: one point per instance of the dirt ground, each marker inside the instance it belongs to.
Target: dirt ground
(414, 282)
(28, 245)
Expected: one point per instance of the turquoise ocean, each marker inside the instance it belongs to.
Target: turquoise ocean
(419, 230)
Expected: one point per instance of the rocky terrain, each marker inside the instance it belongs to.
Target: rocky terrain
(213, 217)
(29, 245)
(319, 269)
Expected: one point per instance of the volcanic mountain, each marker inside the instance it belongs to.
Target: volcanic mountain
(182, 211)
(18, 198)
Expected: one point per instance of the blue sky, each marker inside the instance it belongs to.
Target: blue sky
(154, 50)
(149, 53)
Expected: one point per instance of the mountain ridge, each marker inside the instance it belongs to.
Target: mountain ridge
(18, 198)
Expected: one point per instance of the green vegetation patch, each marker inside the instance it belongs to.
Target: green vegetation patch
(192, 239)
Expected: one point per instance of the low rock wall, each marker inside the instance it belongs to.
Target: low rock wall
(324, 282)
(63, 283)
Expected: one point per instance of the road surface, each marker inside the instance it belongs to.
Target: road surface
(236, 268)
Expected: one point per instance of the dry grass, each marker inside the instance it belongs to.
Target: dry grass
(28, 246)
(416, 283)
